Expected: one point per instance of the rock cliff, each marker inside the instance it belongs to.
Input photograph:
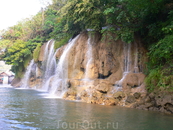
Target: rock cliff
(98, 70)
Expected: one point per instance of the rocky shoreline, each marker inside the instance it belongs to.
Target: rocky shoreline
(154, 101)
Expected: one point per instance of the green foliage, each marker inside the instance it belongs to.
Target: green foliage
(62, 42)
(126, 35)
(26, 61)
(153, 79)
(158, 80)
(19, 55)
(4, 43)
(162, 52)
(81, 15)
(18, 70)
(16, 53)
(36, 52)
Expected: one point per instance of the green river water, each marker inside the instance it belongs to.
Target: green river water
(22, 109)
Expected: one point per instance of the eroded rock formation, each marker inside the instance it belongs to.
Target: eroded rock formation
(102, 71)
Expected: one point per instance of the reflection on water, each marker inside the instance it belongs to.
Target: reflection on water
(29, 110)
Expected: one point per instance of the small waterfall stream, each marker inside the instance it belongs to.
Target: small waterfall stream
(25, 80)
(50, 70)
(89, 57)
(49, 62)
(128, 64)
(127, 57)
(136, 69)
(59, 80)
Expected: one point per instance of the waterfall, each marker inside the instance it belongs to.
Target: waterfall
(89, 57)
(87, 81)
(59, 80)
(46, 52)
(127, 57)
(127, 66)
(50, 69)
(49, 62)
(136, 69)
(25, 80)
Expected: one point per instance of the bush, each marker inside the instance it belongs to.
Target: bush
(162, 52)
(36, 52)
(158, 78)
(61, 42)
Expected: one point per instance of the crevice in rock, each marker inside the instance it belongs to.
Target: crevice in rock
(104, 92)
(169, 107)
(101, 76)
(82, 61)
(102, 64)
(135, 86)
(82, 69)
(159, 107)
(68, 85)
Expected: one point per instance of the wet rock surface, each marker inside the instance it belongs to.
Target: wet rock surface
(110, 74)
(156, 101)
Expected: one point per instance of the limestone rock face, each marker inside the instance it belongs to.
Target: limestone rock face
(103, 86)
(102, 70)
(16, 82)
(96, 67)
(133, 82)
(156, 101)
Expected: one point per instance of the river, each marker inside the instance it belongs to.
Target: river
(22, 109)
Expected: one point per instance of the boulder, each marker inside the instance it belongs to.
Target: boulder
(110, 101)
(119, 95)
(103, 88)
(130, 99)
(137, 95)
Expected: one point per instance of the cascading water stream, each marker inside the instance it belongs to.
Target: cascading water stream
(127, 59)
(87, 81)
(49, 62)
(136, 69)
(46, 52)
(25, 80)
(89, 57)
(127, 66)
(59, 80)
(50, 70)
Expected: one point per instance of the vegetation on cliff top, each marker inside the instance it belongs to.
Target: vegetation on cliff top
(152, 20)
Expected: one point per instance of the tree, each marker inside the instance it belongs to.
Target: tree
(83, 14)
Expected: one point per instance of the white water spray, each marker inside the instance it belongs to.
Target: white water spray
(50, 71)
(25, 80)
(127, 59)
(87, 81)
(127, 66)
(59, 80)
(136, 69)
(89, 57)
(49, 62)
